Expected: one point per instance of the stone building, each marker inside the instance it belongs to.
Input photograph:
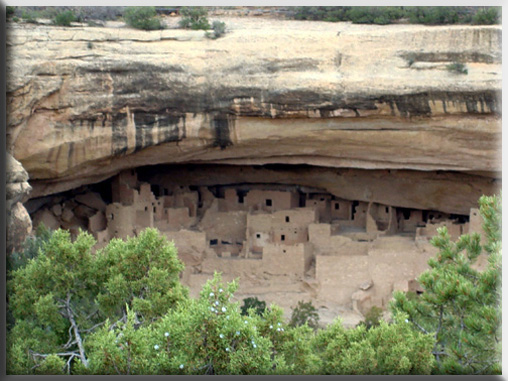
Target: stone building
(357, 253)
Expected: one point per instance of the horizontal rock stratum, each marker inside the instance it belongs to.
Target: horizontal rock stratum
(84, 103)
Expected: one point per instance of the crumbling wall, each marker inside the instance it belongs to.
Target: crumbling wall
(392, 259)
(175, 219)
(322, 203)
(322, 240)
(409, 220)
(340, 276)
(121, 220)
(285, 227)
(271, 201)
(360, 214)
(224, 225)
(380, 219)
(430, 230)
(287, 259)
(97, 223)
(207, 198)
(122, 187)
(192, 246)
(476, 223)
(235, 267)
(340, 210)
(232, 201)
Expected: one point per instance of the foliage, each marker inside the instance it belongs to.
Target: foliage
(488, 16)
(219, 29)
(29, 17)
(64, 18)
(322, 13)
(142, 18)
(257, 305)
(66, 292)
(194, 18)
(385, 349)
(209, 335)
(201, 336)
(142, 272)
(387, 15)
(410, 59)
(460, 304)
(9, 12)
(304, 313)
(434, 15)
(372, 318)
(123, 311)
(457, 67)
(98, 13)
(374, 15)
(82, 14)
(31, 247)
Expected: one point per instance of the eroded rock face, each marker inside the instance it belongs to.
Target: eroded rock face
(86, 103)
(17, 189)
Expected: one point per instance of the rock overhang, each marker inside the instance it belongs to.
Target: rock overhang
(305, 95)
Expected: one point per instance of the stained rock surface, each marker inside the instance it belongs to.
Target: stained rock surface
(85, 103)
(17, 190)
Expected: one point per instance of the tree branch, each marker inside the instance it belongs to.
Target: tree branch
(420, 327)
(439, 326)
(92, 328)
(79, 341)
(35, 354)
(69, 342)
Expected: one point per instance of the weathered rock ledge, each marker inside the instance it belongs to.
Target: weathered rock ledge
(85, 103)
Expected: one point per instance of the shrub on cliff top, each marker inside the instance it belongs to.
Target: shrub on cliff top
(142, 18)
(64, 18)
(457, 67)
(415, 15)
(219, 28)
(194, 18)
(489, 16)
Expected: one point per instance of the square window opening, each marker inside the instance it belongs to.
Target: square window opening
(268, 202)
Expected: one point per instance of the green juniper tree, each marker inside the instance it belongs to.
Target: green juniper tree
(460, 305)
(207, 335)
(65, 293)
(381, 350)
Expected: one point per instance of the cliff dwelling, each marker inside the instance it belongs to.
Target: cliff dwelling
(280, 239)
(312, 160)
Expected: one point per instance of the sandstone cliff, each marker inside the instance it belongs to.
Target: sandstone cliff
(84, 103)
(17, 190)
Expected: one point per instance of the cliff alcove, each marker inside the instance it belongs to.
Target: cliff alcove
(276, 227)
(310, 159)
